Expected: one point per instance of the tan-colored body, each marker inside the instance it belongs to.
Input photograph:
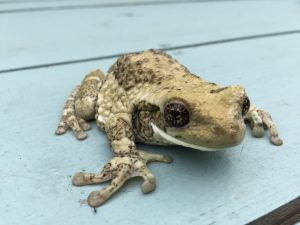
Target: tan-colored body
(150, 97)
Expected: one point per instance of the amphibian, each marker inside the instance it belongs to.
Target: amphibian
(149, 97)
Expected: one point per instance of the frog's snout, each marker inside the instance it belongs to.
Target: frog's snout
(228, 135)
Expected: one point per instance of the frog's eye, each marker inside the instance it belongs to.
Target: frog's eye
(176, 114)
(245, 106)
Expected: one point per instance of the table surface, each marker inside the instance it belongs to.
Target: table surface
(46, 48)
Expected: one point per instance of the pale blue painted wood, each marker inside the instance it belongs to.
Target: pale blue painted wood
(228, 187)
(46, 37)
(33, 4)
(36, 3)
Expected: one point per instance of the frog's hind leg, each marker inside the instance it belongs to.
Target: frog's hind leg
(70, 120)
(80, 106)
(260, 120)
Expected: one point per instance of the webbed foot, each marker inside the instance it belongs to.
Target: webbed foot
(119, 170)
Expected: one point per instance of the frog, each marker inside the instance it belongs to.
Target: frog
(149, 97)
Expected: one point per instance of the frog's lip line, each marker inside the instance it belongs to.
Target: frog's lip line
(175, 141)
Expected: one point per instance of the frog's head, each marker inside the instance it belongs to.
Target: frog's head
(204, 117)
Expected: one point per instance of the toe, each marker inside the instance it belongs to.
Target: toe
(78, 179)
(258, 131)
(95, 199)
(275, 140)
(81, 135)
(61, 130)
(149, 183)
(148, 187)
(83, 124)
(86, 126)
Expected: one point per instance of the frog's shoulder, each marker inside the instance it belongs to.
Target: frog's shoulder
(152, 67)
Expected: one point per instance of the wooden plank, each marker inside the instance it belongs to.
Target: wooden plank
(230, 187)
(40, 5)
(53, 2)
(38, 38)
(21, 2)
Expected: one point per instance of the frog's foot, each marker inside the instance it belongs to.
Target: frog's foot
(119, 170)
(77, 124)
(260, 120)
(70, 120)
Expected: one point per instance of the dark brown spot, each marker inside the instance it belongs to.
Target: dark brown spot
(213, 83)
(138, 63)
(218, 90)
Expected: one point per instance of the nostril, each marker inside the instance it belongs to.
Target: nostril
(219, 130)
(234, 127)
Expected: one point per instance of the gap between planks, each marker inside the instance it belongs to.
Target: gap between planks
(194, 45)
(100, 5)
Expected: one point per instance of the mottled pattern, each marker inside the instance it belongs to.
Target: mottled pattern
(90, 87)
(149, 67)
(144, 114)
(85, 103)
(80, 106)
(151, 98)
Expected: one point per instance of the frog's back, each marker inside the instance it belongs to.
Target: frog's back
(152, 67)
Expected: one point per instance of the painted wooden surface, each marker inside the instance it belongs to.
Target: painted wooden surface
(231, 187)
(54, 36)
(49, 5)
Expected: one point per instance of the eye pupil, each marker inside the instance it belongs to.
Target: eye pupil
(246, 106)
(176, 115)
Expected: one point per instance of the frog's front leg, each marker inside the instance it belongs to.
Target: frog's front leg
(260, 120)
(127, 162)
(80, 106)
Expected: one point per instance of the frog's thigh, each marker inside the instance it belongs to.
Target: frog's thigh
(86, 97)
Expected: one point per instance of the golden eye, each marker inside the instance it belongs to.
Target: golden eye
(245, 106)
(176, 115)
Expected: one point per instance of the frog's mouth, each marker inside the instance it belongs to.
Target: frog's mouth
(176, 141)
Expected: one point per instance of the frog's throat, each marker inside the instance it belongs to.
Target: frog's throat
(175, 141)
